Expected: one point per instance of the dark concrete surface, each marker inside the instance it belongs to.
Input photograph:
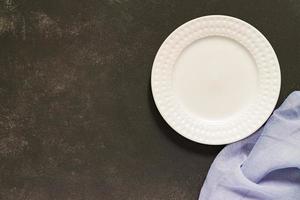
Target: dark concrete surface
(77, 118)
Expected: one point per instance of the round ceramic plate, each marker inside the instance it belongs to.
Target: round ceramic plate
(216, 79)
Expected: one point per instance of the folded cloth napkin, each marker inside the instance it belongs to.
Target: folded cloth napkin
(264, 166)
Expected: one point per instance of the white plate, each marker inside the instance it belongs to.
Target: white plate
(215, 79)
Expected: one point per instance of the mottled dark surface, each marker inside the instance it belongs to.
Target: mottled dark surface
(77, 118)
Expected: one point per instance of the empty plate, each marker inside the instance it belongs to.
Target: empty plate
(216, 79)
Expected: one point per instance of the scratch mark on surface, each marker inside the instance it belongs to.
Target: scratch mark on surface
(12, 145)
(23, 28)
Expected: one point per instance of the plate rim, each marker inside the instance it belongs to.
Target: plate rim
(210, 21)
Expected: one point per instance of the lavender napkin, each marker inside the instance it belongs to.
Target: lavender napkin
(264, 166)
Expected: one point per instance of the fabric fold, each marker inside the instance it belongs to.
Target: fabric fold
(264, 166)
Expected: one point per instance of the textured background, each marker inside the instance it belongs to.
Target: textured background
(77, 118)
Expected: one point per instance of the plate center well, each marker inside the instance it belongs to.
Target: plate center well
(215, 78)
